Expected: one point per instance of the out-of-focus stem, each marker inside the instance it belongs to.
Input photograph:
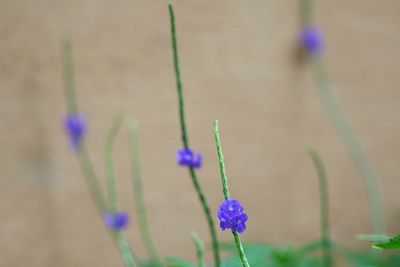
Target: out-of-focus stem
(69, 77)
(72, 108)
(91, 180)
(83, 156)
(339, 119)
(110, 170)
(199, 189)
(199, 249)
(356, 151)
(305, 12)
(139, 198)
(324, 200)
(125, 249)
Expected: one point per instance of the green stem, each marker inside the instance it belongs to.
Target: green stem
(119, 237)
(110, 170)
(221, 160)
(339, 119)
(91, 180)
(84, 159)
(69, 78)
(226, 192)
(305, 12)
(198, 188)
(324, 200)
(185, 140)
(356, 151)
(72, 107)
(199, 249)
(125, 249)
(139, 199)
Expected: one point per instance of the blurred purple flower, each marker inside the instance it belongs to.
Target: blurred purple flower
(311, 38)
(117, 221)
(76, 127)
(186, 157)
(231, 216)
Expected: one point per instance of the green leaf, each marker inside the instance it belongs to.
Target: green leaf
(393, 243)
(177, 262)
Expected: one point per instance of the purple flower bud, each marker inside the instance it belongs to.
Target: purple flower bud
(117, 221)
(312, 40)
(186, 157)
(76, 127)
(231, 216)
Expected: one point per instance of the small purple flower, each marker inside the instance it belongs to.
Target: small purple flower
(312, 39)
(76, 127)
(231, 216)
(186, 157)
(117, 221)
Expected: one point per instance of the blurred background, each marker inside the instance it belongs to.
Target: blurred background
(239, 65)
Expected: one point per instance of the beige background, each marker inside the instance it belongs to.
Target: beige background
(238, 64)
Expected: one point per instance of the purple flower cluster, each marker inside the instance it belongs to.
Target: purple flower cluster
(231, 216)
(116, 221)
(312, 40)
(186, 157)
(76, 127)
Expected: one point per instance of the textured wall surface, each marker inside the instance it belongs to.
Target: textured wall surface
(238, 64)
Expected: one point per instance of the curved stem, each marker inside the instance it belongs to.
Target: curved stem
(192, 172)
(139, 199)
(356, 151)
(199, 249)
(324, 200)
(339, 119)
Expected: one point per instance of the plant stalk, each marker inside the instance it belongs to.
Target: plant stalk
(226, 192)
(185, 142)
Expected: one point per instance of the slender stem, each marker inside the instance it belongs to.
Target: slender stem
(240, 248)
(91, 180)
(305, 12)
(119, 237)
(199, 190)
(226, 192)
(224, 178)
(84, 159)
(324, 200)
(139, 198)
(69, 78)
(110, 170)
(355, 149)
(199, 249)
(207, 211)
(185, 140)
(339, 119)
(125, 249)
(72, 107)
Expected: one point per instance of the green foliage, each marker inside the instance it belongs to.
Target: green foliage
(260, 255)
(371, 258)
(177, 262)
(393, 243)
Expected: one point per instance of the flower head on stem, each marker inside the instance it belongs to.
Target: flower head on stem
(231, 216)
(76, 128)
(186, 157)
(311, 38)
(116, 221)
